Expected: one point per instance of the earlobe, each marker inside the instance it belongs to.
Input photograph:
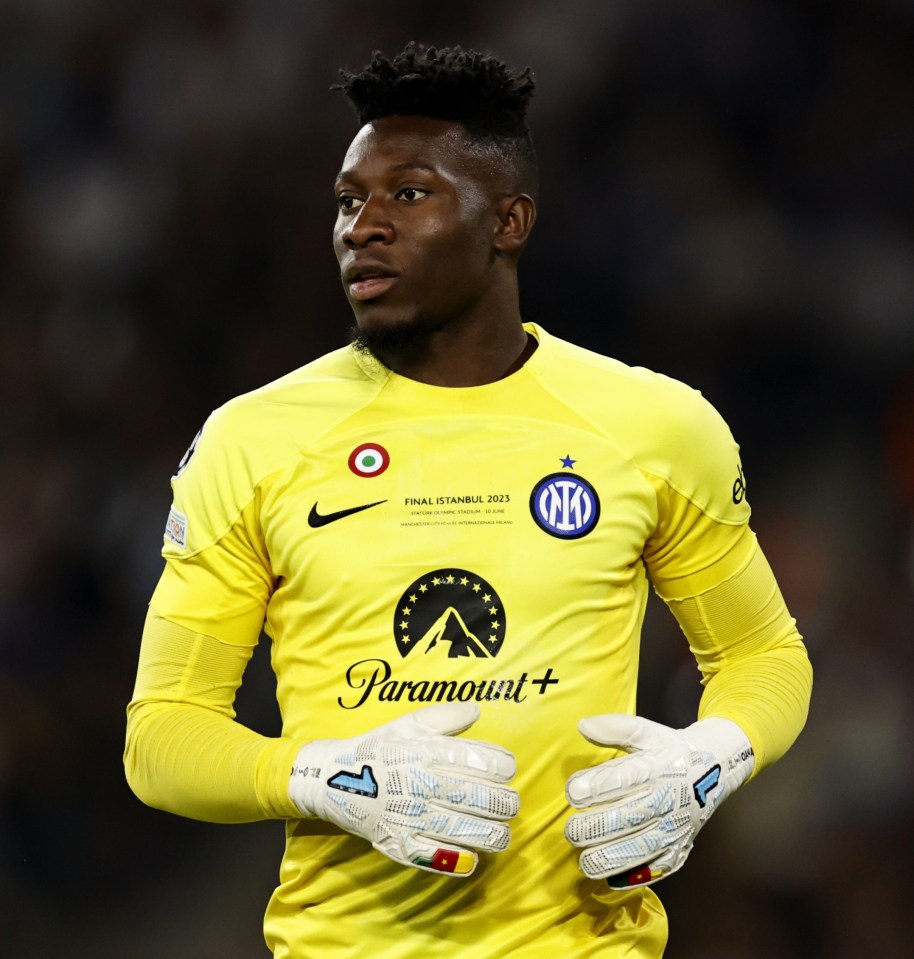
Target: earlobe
(516, 215)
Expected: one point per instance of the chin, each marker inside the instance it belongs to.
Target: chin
(381, 337)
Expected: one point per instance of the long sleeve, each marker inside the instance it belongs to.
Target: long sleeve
(185, 753)
(752, 659)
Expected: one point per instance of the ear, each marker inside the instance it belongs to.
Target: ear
(515, 217)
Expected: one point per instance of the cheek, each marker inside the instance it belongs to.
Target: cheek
(338, 246)
(461, 250)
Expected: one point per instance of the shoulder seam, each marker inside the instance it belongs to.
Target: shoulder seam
(631, 457)
(297, 451)
(668, 482)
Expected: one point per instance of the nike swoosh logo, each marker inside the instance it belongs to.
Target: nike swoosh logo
(316, 519)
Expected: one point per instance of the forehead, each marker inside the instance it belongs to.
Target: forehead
(399, 141)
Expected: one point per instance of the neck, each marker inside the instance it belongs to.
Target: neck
(485, 344)
(460, 358)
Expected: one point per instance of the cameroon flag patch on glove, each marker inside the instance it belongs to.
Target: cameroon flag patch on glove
(447, 860)
(637, 877)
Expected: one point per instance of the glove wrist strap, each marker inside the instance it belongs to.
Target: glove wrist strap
(304, 781)
(727, 741)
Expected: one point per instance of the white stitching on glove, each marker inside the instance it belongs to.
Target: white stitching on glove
(416, 793)
(644, 810)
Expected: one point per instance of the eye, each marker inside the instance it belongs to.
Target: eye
(349, 202)
(411, 193)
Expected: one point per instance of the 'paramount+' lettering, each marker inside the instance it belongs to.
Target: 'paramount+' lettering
(380, 684)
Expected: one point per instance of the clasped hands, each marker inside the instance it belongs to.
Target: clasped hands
(430, 800)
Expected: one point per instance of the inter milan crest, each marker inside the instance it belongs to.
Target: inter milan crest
(450, 613)
(565, 505)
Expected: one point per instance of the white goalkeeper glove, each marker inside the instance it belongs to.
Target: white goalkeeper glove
(417, 794)
(643, 811)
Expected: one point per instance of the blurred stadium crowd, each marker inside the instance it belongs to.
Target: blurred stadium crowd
(726, 198)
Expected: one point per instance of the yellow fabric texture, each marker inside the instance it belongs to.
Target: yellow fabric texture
(755, 668)
(184, 753)
(233, 615)
(400, 542)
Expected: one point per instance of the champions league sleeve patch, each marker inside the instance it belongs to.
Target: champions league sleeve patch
(176, 528)
(565, 505)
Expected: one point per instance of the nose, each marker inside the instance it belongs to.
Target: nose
(370, 224)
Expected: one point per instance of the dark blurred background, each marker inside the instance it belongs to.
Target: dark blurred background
(726, 198)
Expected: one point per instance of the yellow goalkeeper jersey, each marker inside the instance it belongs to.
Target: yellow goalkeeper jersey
(404, 544)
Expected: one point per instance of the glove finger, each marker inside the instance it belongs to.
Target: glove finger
(612, 781)
(622, 730)
(464, 795)
(469, 831)
(422, 853)
(645, 875)
(473, 757)
(649, 873)
(621, 819)
(405, 820)
(412, 786)
(412, 789)
(609, 859)
(441, 719)
(619, 828)
(659, 843)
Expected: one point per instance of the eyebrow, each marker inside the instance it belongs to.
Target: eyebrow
(397, 168)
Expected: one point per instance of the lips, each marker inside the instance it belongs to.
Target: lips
(367, 281)
(371, 287)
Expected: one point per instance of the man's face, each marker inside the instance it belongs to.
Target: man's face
(415, 227)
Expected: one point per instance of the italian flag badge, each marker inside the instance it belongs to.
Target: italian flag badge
(369, 459)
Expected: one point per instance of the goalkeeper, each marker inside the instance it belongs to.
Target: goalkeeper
(448, 530)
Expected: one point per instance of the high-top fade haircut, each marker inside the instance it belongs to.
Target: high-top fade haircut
(482, 93)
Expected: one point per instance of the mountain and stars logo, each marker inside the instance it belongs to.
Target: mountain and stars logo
(450, 612)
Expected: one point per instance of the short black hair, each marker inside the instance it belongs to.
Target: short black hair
(474, 89)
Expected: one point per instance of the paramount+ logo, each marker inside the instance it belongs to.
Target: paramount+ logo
(444, 617)
(453, 611)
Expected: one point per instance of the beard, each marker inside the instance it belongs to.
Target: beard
(384, 341)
